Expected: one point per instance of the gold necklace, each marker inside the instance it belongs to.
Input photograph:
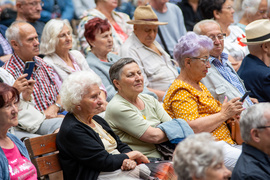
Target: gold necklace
(111, 139)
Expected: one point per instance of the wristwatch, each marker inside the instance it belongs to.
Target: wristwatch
(59, 106)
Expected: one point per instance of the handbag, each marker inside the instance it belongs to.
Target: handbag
(234, 127)
(166, 149)
(29, 118)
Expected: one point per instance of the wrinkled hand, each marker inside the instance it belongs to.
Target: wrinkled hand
(231, 108)
(26, 93)
(138, 157)
(21, 83)
(128, 164)
(51, 112)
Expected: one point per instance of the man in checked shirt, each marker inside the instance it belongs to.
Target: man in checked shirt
(24, 40)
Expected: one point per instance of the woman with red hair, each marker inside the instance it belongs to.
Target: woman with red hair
(98, 34)
(117, 21)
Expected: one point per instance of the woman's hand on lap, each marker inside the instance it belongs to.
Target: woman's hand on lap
(128, 164)
(138, 157)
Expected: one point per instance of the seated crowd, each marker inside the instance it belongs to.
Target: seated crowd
(140, 98)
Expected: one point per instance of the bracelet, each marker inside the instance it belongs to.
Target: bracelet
(59, 106)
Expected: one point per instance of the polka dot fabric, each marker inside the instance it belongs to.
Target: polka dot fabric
(184, 101)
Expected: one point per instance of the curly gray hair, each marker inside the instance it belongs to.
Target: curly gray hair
(195, 154)
(75, 86)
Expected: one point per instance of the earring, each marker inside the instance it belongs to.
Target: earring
(79, 108)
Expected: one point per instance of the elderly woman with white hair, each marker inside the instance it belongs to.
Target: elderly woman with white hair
(56, 42)
(88, 147)
(199, 157)
(253, 10)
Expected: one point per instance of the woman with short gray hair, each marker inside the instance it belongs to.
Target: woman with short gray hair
(253, 10)
(200, 157)
(134, 116)
(116, 71)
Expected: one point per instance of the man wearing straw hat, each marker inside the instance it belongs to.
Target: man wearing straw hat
(254, 69)
(158, 69)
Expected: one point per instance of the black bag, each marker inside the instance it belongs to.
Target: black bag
(166, 149)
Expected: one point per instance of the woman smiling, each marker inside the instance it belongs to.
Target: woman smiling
(134, 116)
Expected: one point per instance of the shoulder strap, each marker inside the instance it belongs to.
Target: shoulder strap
(163, 42)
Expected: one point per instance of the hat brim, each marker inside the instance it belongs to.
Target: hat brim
(146, 22)
(244, 40)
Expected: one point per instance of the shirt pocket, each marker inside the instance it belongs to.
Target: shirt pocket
(152, 70)
(220, 92)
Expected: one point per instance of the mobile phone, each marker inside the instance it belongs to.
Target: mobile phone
(244, 97)
(29, 67)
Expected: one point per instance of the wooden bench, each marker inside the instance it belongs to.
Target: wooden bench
(44, 154)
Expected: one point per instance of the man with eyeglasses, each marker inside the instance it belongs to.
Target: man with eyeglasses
(221, 80)
(254, 161)
(29, 11)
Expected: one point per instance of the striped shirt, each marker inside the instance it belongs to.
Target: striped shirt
(228, 73)
(45, 90)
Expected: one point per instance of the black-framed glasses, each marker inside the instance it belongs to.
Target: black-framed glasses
(263, 127)
(220, 37)
(204, 59)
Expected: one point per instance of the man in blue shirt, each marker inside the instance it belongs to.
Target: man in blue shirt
(168, 12)
(221, 79)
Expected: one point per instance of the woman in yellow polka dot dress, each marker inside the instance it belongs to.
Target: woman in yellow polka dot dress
(189, 99)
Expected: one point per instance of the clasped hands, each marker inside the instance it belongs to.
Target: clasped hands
(135, 157)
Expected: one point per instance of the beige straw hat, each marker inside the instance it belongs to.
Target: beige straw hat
(257, 32)
(145, 15)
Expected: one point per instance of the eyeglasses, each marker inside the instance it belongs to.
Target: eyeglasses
(35, 3)
(262, 12)
(205, 60)
(220, 37)
(263, 127)
(228, 8)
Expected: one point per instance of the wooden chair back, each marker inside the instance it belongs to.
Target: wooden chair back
(44, 154)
